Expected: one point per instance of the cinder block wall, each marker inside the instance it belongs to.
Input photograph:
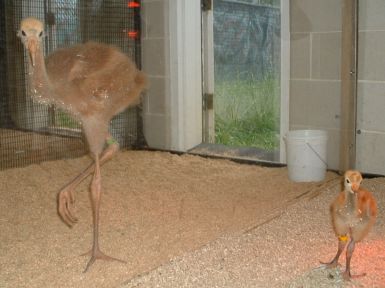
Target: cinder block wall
(371, 87)
(155, 62)
(315, 28)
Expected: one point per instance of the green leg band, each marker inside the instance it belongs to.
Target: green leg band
(111, 141)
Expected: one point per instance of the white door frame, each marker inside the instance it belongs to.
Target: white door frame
(185, 74)
(285, 77)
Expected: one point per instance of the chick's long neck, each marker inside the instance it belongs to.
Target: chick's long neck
(351, 201)
(40, 87)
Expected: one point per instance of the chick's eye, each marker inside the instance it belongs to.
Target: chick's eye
(23, 33)
(347, 181)
(41, 34)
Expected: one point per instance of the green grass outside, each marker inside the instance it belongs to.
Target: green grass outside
(247, 113)
(64, 119)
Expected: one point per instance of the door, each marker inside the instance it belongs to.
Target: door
(245, 83)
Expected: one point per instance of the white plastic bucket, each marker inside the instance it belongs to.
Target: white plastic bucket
(306, 155)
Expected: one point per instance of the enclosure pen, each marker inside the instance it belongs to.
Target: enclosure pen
(192, 143)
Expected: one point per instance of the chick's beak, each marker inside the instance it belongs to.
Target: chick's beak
(32, 47)
(355, 187)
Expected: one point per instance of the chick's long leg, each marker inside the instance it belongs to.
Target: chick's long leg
(349, 253)
(334, 262)
(66, 198)
(95, 201)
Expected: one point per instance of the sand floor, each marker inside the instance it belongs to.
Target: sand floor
(284, 252)
(178, 221)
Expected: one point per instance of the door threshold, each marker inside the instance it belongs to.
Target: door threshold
(248, 153)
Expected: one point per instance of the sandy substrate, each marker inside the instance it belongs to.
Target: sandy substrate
(285, 252)
(178, 221)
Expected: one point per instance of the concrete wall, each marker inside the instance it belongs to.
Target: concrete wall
(315, 69)
(155, 62)
(315, 56)
(371, 87)
(172, 58)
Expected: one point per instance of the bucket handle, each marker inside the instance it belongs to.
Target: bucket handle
(316, 153)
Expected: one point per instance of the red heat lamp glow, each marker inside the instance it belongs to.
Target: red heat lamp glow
(133, 4)
(133, 34)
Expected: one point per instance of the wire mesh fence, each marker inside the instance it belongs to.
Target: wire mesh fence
(31, 132)
(247, 39)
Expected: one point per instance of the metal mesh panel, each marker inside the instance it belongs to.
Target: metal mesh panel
(247, 39)
(31, 132)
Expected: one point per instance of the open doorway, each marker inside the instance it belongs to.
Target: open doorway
(242, 44)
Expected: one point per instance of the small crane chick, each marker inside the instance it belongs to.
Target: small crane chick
(353, 214)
